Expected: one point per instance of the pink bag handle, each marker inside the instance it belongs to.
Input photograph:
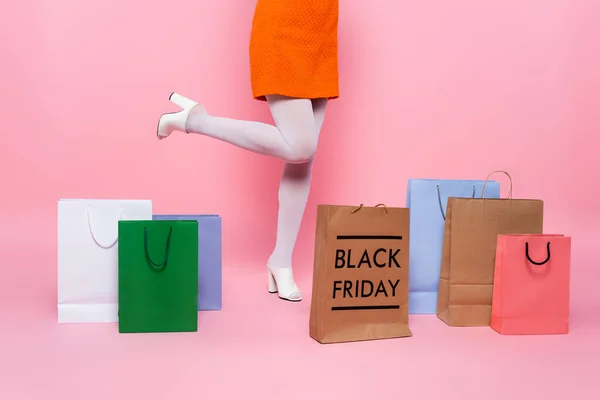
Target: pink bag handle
(535, 262)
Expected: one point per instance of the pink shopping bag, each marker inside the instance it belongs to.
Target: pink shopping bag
(531, 285)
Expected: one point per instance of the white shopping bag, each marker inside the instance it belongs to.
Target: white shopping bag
(88, 256)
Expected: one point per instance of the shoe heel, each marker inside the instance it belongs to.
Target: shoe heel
(181, 101)
(272, 284)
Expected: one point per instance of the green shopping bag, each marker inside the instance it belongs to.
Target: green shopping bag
(158, 276)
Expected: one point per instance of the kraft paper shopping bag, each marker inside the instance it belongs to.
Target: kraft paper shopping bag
(158, 276)
(469, 253)
(427, 199)
(531, 285)
(209, 258)
(88, 256)
(360, 279)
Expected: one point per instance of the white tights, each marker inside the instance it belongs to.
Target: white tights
(294, 140)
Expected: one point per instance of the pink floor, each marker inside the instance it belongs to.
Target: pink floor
(258, 348)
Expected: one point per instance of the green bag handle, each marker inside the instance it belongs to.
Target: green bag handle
(161, 266)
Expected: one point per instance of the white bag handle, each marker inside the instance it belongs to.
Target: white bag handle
(89, 220)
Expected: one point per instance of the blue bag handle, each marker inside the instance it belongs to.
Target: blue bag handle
(440, 200)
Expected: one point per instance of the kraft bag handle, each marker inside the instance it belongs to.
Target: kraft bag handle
(510, 190)
(89, 222)
(158, 267)
(536, 262)
(440, 200)
(376, 205)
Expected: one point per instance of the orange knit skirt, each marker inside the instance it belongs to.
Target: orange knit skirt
(294, 49)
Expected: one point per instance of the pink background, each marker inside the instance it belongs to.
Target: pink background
(431, 89)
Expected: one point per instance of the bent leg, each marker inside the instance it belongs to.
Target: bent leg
(293, 139)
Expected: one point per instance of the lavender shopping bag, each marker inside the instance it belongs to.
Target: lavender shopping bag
(209, 258)
(427, 200)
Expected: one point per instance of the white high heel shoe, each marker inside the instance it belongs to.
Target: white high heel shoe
(176, 121)
(281, 280)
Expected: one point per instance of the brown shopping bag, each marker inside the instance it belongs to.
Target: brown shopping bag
(360, 279)
(469, 252)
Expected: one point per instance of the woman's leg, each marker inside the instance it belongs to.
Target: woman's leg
(293, 139)
(294, 189)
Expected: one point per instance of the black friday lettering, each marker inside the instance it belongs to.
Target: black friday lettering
(378, 259)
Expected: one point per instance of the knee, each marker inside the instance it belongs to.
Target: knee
(302, 152)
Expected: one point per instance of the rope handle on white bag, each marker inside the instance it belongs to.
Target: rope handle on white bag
(89, 220)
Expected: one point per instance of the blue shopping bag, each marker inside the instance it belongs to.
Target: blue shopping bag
(209, 258)
(427, 199)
